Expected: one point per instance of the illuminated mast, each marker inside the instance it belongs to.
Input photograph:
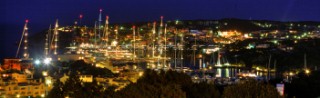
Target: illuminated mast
(153, 40)
(56, 38)
(80, 19)
(165, 45)
(25, 49)
(161, 26)
(181, 50)
(175, 49)
(24, 37)
(134, 42)
(106, 30)
(95, 34)
(117, 32)
(159, 36)
(99, 23)
(46, 47)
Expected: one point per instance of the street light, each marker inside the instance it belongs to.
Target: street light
(291, 74)
(18, 96)
(37, 62)
(47, 61)
(307, 71)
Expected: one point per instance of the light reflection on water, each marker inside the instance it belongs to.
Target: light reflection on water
(227, 72)
(219, 72)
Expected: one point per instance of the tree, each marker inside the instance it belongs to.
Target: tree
(306, 86)
(156, 85)
(202, 89)
(73, 87)
(250, 89)
(56, 91)
(93, 89)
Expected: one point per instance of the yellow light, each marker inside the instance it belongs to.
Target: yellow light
(44, 73)
(48, 82)
(200, 56)
(291, 74)
(134, 67)
(140, 74)
(307, 71)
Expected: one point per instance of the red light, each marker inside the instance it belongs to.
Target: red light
(133, 26)
(27, 21)
(161, 17)
(154, 22)
(107, 17)
(100, 10)
(80, 16)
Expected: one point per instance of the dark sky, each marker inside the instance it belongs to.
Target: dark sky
(41, 13)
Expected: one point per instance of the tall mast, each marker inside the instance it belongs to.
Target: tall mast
(99, 23)
(24, 37)
(117, 32)
(56, 34)
(46, 48)
(160, 29)
(25, 52)
(165, 45)
(106, 30)
(194, 50)
(175, 49)
(95, 34)
(181, 50)
(80, 19)
(153, 40)
(134, 42)
(159, 36)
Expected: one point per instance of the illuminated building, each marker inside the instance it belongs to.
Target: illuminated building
(16, 85)
(17, 64)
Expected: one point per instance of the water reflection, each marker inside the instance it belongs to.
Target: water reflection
(227, 72)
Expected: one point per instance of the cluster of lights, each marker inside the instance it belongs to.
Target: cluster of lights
(46, 61)
(249, 75)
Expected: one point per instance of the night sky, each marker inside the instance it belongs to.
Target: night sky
(41, 13)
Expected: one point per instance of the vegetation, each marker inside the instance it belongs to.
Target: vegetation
(251, 89)
(161, 84)
(304, 86)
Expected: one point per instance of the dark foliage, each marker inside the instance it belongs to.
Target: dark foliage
(251, 89)
(306, 86)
